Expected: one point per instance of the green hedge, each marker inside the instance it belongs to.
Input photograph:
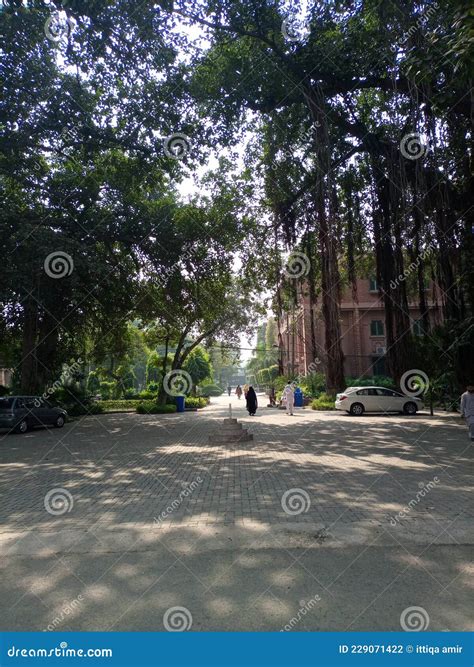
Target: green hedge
(87, 408)
(324, 402)
(376, 381)
(196, 402)
(126, 405)
(152, 408)
(211, 390)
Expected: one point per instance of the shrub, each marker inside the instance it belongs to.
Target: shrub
(153, 388)
(107, 389)
(152, 408)
(87, 408)
(147, 395)
(211, 390)
(119, 405)
(324, 402)
(377, 381)
(196, 402)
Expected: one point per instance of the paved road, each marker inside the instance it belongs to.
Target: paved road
(334, 520)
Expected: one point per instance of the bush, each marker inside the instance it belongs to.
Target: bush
(87, 408)
(324, 402)
(152, 408)
(147, 395)
(377, 381)
(211, 390)
(119, 405)
(153, 388)
(107, 390)
(196, 402)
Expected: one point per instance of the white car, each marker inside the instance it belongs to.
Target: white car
(357, 400)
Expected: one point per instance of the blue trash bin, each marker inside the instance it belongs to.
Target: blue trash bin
(180, 401)
(298, 398)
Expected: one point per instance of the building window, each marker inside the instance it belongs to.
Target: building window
(376, 328)
(373, 286)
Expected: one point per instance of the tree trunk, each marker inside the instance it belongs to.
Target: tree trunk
(29, 379)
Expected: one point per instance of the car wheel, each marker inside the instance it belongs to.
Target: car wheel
(357, 409)
(21, 427)
(59, 423)
(410, 408)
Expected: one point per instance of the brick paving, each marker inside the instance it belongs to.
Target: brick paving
(312, 468)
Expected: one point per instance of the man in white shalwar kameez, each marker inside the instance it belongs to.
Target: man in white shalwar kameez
(288, 397)
(467, 408)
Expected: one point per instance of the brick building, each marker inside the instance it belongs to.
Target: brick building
(362, 328)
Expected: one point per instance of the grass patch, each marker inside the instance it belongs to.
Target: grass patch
(152, 408)
(120, 405)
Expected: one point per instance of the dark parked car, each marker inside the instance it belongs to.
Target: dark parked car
(19, 413)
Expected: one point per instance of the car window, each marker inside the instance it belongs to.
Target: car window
(384, 392)
(363, 392)
(20, 403)
(371, 392)
(32, 403)
(6, 403)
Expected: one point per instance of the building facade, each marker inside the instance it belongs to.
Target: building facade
(362, 328)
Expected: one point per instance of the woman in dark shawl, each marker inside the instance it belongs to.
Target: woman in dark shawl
(252, 401)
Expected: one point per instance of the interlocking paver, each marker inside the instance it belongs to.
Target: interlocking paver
(123, 469)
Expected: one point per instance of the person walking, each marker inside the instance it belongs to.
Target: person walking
(289, 397)
(251, 400)
(467, 409)
(229, 390)
(246, 390)
(238, 391)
